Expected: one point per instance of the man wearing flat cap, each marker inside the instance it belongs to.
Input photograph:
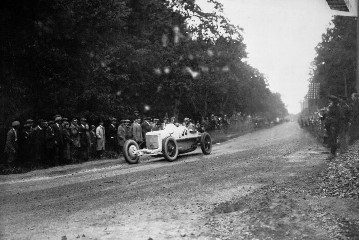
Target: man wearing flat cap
(11, 146)
(121, 135)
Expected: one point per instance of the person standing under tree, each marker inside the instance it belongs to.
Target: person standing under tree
(333, 119)
(121, 135)
(84, 140)
(112, 133)
(11, 146)
(146, 127)
(59, 141)
(100, 136)
(137, 131)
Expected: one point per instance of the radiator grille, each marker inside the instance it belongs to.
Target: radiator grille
(152, 141)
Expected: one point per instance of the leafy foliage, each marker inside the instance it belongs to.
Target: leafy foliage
(108, 58)
(334, 66)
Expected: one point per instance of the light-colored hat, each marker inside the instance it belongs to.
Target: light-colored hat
(15, 123)
(58, 119)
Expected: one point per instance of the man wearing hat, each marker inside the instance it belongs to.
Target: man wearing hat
(146, 127)
(100, 136)
(27, 142)
(84, 140)
(156, 124)
(58, 141)
(121, 135)
(112, 135)
(165, 122)
(39, 134)
(137, 131)
(11, 146)
(128, 128)
(75, 139)
(332, 123)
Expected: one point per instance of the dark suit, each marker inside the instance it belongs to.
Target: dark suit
(112, 137)
(59, 144)
(146, 127)
(11, 147)
(121, 135)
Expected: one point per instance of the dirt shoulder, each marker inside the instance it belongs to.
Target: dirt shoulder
(321, 203)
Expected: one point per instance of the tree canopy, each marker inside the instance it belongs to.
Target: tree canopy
(335, 63)
(109, 58)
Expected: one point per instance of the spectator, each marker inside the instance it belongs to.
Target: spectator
(137, 131)
(100, 136)
(121, 135)
(67, 142)
(112, 136)
(75, 140)
(11, 147)
(93, 141)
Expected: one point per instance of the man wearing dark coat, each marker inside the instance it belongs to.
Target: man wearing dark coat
(11, 146)
(128, 128)
(39, 134)
(137, 131)
(121, 135)
(58, 141)
(332, 125)
(50, 145)
(112, 135)
(146, 127)
(84, 140)
(27, 143)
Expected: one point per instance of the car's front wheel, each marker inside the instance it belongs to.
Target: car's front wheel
(130, 149)
(206, 143)
(170, 148)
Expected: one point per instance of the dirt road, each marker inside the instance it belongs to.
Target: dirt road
(195, 197)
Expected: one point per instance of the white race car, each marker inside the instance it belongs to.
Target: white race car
(169, 142)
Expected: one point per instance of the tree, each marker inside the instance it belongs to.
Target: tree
(334, 65)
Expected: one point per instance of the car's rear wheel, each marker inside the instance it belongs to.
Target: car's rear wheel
(170, 148)
(130, 149)
(206, 143)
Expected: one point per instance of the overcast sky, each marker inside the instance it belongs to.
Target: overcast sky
(281, 36)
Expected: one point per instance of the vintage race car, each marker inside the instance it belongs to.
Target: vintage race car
(169, 142)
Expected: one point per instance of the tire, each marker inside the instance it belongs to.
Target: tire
(206, 143)
(170, 148)
(128, 151)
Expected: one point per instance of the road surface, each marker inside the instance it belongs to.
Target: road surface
(155, 199)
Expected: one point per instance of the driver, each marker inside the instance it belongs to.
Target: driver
(187, 123)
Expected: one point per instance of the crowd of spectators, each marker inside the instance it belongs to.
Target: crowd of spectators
(336, 125)
(42, 143)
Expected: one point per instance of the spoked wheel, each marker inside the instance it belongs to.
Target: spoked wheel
(170, 148)
(130, 149)
(206, 143)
